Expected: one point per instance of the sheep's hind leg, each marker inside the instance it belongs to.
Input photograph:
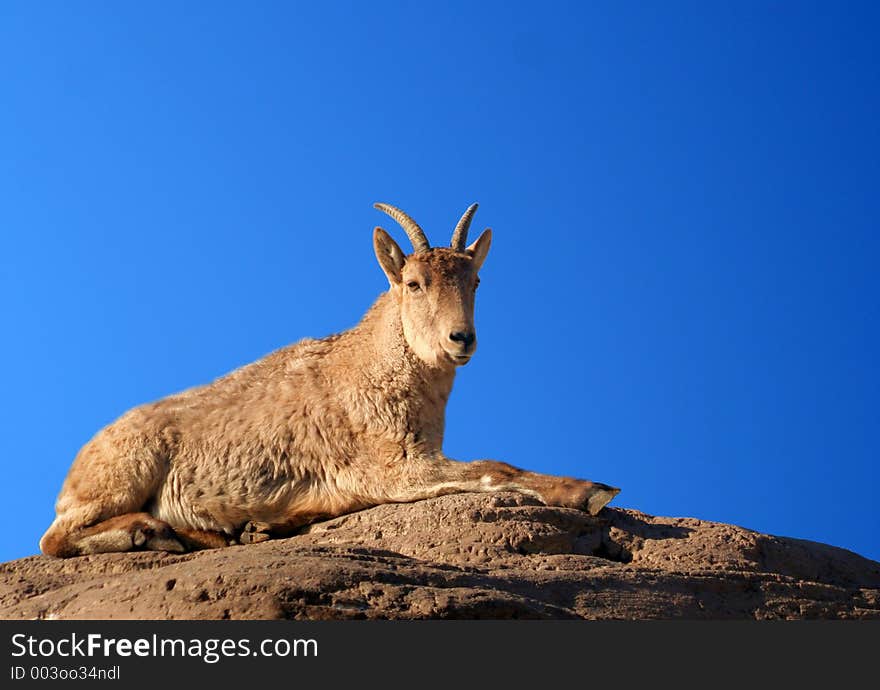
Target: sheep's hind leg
(198, 539)
(129, 532)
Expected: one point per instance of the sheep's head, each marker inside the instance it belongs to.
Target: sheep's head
(434, 287)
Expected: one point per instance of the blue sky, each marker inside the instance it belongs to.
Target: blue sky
(681, 297)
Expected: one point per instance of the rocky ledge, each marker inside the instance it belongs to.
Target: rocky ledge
(463, 556)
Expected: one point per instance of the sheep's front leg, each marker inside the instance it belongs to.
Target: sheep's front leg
(437, 477)
(418, 479)
(256, 531)
(551, 490)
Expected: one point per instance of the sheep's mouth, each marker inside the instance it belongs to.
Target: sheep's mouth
(459, 359)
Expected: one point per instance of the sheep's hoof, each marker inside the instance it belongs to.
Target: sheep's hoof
(600, 497)
(253, 537)
(255, 532)
(156, 539)
(160, 543)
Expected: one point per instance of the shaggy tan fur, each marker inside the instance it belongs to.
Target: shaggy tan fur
(314, 430)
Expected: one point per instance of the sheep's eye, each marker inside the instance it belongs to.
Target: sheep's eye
(413, 286)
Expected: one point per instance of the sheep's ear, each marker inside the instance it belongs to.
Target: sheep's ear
(480, 248)
(389, 254)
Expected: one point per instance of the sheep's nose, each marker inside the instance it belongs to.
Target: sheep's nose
(466, 338)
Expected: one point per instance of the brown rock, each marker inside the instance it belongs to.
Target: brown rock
(464, 556)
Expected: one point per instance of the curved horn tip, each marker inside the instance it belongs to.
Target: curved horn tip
(459, 235)
(414, 232)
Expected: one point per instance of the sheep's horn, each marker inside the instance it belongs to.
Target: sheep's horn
(459, 236)
(415, 233)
